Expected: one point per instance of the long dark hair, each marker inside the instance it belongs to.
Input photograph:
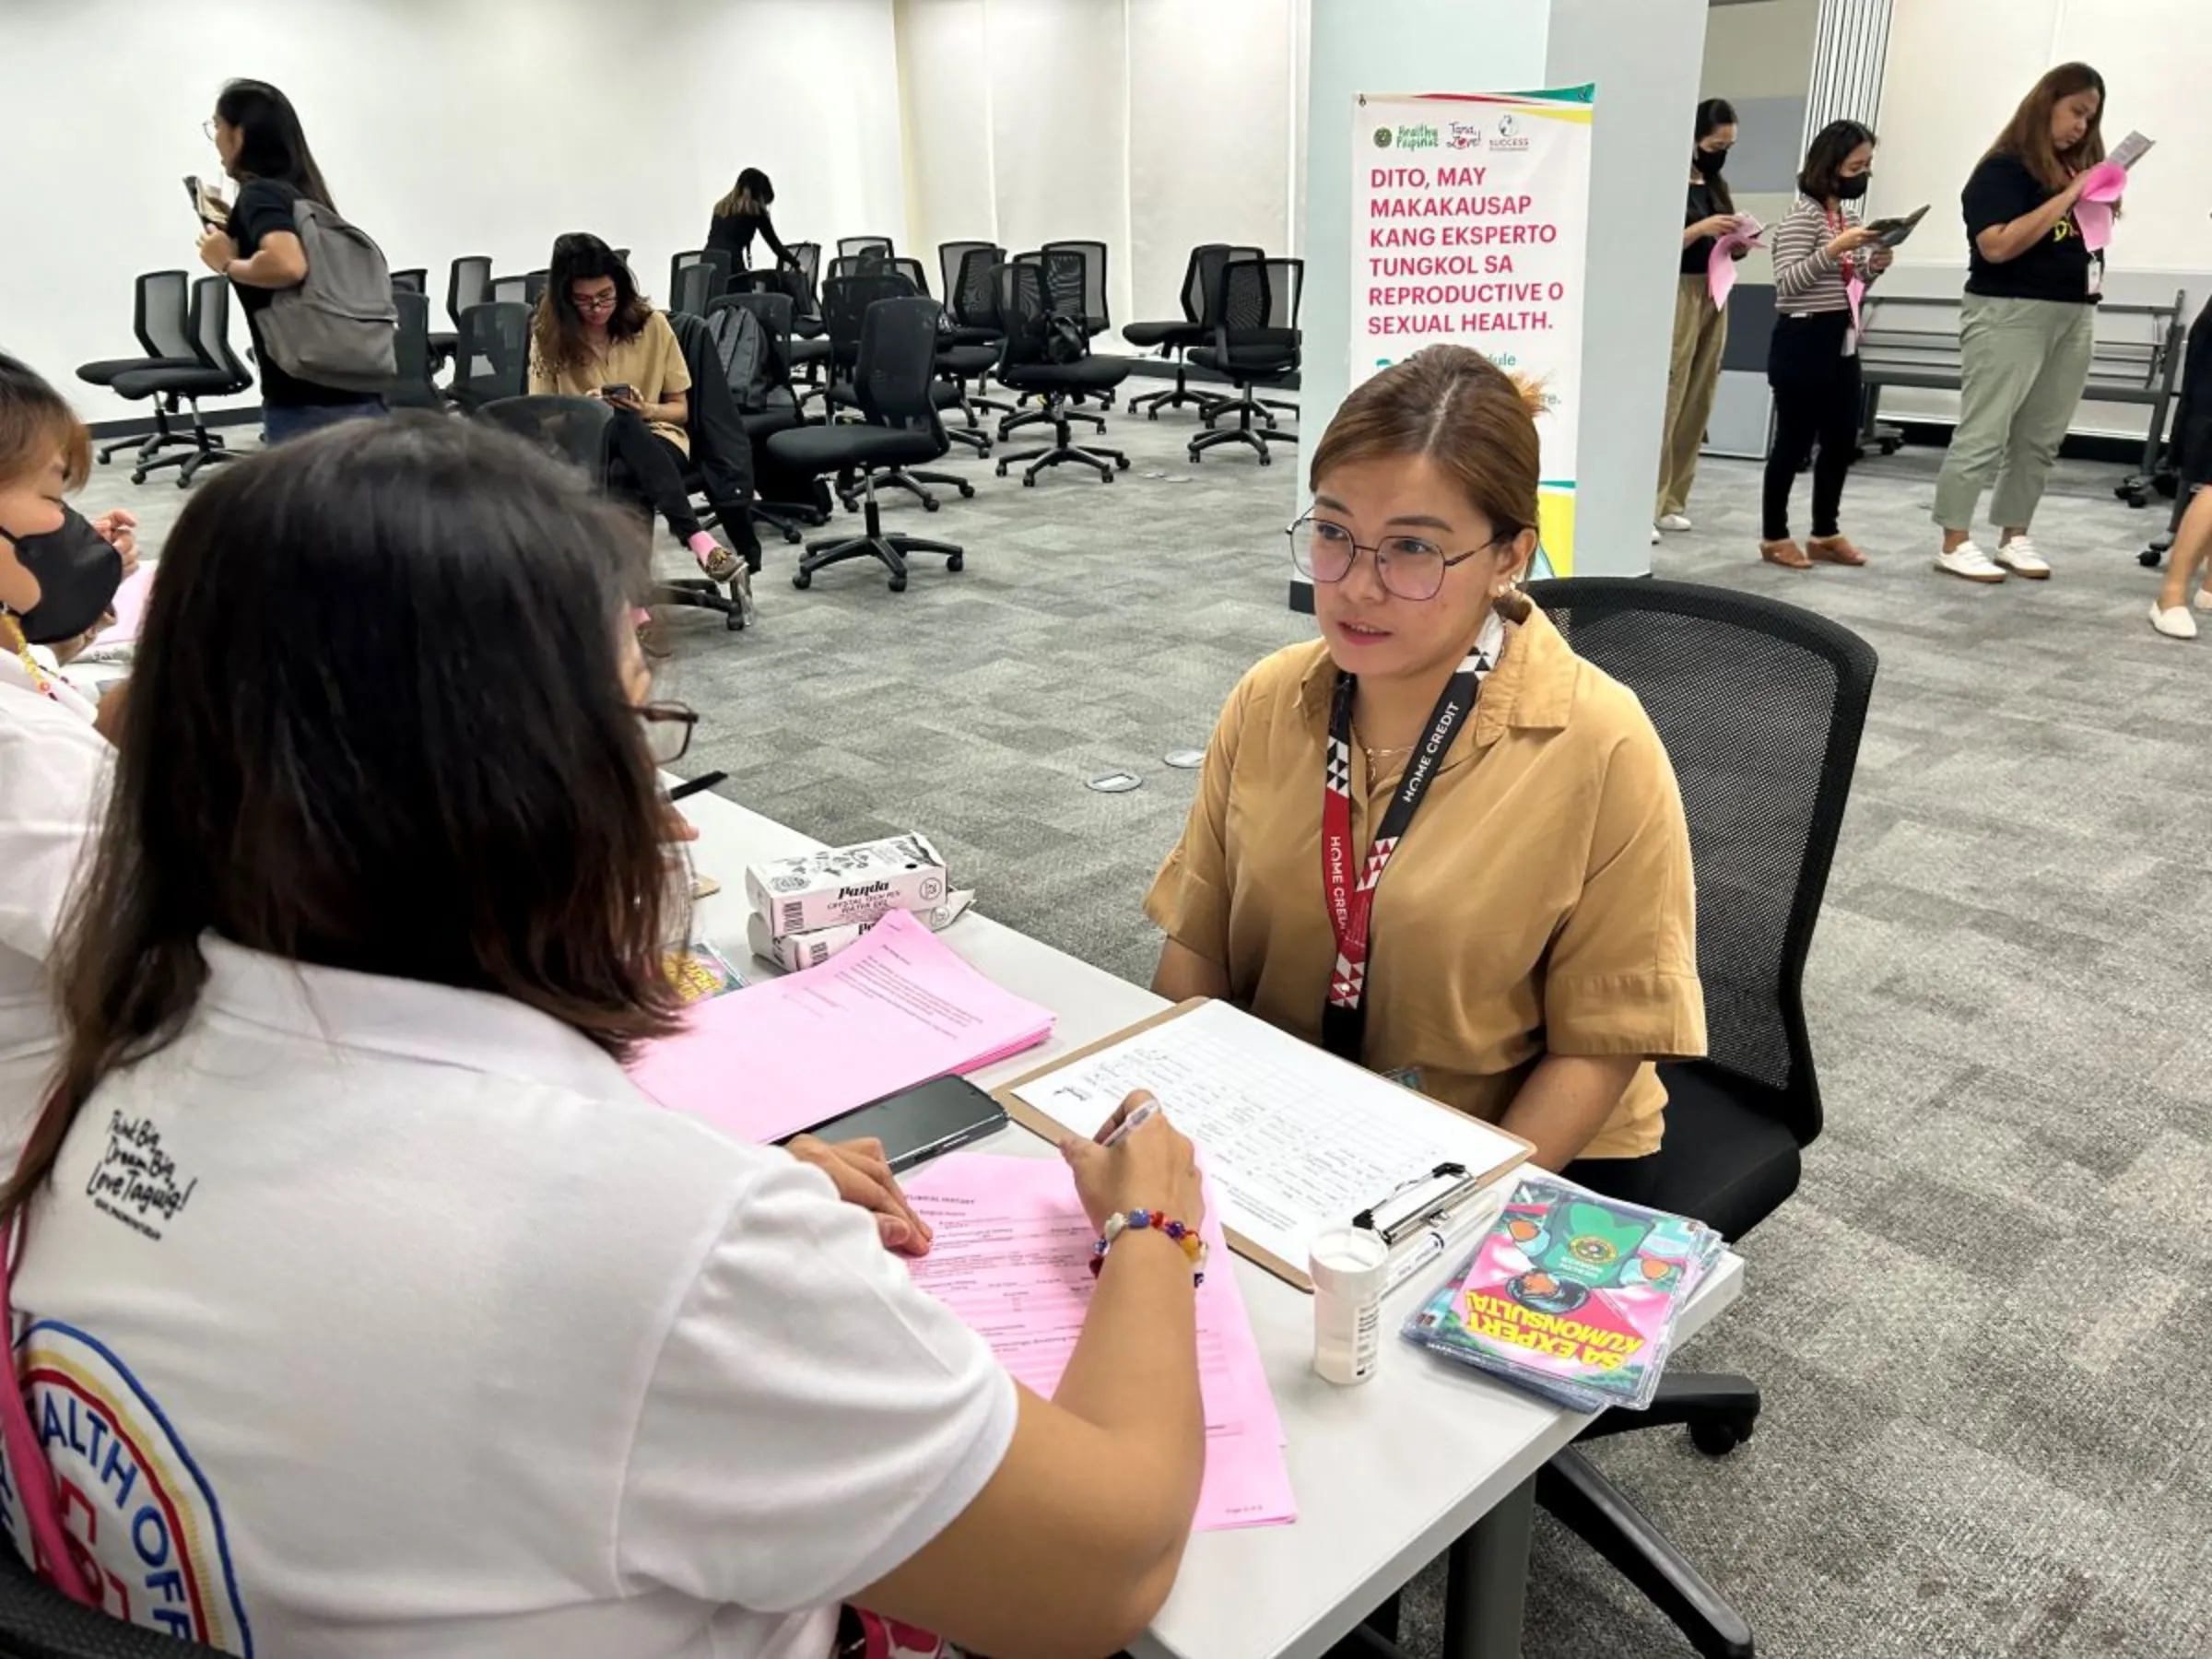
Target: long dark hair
(271, 143)
(1824, 158)
(1713, 112)
(752, 193)
(377, 722)
(2027, 136)
(557, 328)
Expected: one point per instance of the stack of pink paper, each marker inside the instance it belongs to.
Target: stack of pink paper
(1011, 1257)
(895, 1009)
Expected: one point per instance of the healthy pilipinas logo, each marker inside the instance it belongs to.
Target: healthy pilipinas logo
(1381, 137)
(1416, 137)
(142, 1520)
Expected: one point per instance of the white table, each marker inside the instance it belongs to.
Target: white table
(1388, 1476)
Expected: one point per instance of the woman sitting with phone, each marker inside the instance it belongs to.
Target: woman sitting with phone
(514, 1361)
(595, 335)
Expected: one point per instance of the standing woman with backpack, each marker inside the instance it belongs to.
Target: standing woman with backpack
(257, 134)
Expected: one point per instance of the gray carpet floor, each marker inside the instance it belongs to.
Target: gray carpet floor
(1980, 1437)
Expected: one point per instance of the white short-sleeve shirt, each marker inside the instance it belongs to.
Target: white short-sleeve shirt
(379, 1318)
(54, 774)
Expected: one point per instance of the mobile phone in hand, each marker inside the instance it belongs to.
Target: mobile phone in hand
(621, 392)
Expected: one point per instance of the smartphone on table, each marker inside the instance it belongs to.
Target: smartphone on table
(920, 1123)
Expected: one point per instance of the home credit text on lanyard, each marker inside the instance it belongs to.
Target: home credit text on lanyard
(1351, 905)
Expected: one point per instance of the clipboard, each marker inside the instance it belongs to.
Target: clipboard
(1044, 1124)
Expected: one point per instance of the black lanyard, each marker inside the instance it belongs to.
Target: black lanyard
(1351, 904)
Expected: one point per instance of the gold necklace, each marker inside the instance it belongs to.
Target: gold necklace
(21, 645)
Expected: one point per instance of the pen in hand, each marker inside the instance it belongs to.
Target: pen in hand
(1130, 1124)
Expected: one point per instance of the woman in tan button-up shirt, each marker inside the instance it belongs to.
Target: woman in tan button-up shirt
(1532, 948)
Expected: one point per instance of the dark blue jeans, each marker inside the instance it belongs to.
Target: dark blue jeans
(282, 423)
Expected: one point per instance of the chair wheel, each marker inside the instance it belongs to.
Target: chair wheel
(1105, 477)
(2149, 559)
(791, 532)
(1197, 456)
(1152, 413)
(898, 584)
(1121, 464)
(734, 623)
(956, 563)
(1718, 1438)
(1002, 469)
(1030, 480)
(1266, 459)
(967, 489)
(801, 581)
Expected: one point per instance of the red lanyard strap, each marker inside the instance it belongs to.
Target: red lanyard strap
(1849, 262)
(1351, 905)
(54, 1551)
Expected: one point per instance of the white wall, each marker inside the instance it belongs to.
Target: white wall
(1954, 74)
(444, 127)
(1643, 56)
(1150, 125)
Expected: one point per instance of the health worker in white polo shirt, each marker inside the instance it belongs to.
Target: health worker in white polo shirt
(368, 1309)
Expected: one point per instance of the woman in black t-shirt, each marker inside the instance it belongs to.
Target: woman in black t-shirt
(2024, 338)
(1701, 326)
(742, 214)
(257, 134)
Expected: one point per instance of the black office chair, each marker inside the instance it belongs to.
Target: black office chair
(413, 387)
(718, 470)
(854, 247)
(1256, 343)
(1201, 294)
(1026, 310)
(698, 278)
(492, 361)
(774, 409)
(38, 1621)
(215, 371)
(415, 279)
(951, 259)
(971, 302)
(1764, 781)
(891, 381)
(467, 283)
(845, 302)
(955, 362)
(161, 318)
(1085, 299)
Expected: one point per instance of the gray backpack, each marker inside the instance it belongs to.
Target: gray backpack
(338, 327)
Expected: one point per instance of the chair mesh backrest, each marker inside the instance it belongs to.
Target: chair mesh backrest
(717, 260)
(1207, 261)
(1023, 305)
(468, 283)
(1066, 277)
(415, 280)
(845, 301)
(510, 291)
(807, 256)
(951, 255)
(854, 247)
(1260, 299)
(573, 429)
(912, 269)
(163, 323)
(895, 379)
(414, 342)
(1760, 705)
(534, 285)
(210, 322)
(973, 293)
(1091, 305)
(696, 287)
(493, 352)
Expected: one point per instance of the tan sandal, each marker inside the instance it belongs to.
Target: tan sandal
(1834, 549)
(1785, 553)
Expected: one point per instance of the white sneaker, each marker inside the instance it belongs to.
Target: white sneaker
(2020, 557)
(1654, 535)
(2175, 624)
(1970, 561)
(1676, 520)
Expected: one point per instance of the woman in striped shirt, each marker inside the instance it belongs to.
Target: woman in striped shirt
(1813, 361)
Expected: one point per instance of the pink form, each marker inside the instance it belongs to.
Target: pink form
(1011, 1258)
(895, 1010)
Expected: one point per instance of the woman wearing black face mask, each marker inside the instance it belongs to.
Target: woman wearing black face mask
(52, 763)
(1701, 326)
(1813, 358)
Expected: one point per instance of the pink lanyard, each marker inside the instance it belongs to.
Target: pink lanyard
(56, 1557)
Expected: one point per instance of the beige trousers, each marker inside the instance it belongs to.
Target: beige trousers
(1692, 374)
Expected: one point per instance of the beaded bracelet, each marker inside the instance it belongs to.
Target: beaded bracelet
(1187, 1238)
